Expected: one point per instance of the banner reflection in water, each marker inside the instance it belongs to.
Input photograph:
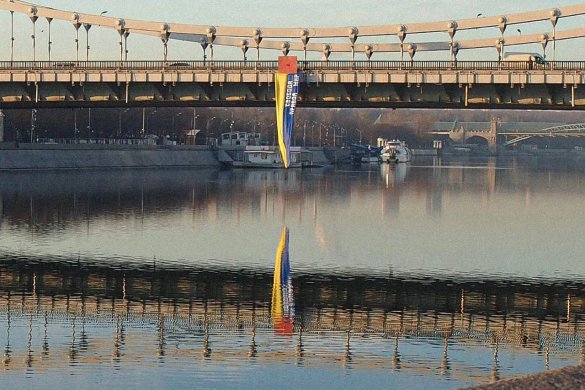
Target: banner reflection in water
(283, 306)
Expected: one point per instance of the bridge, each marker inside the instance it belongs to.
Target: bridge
(447, 82)
(510, 133)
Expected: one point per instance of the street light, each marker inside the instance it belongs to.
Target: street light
(49, 20)
(144, 121)
(173, 121)
(12, 37)
(122, 111)
(33, 123)
(76, 25)
(75, 129)
(89, 123)
(32, 13)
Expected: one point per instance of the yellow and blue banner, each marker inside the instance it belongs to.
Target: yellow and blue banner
(286, 85)
(283, 307)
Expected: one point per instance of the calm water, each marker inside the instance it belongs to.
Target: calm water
(443, 273)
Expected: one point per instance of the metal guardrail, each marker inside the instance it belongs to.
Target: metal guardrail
(270, 66)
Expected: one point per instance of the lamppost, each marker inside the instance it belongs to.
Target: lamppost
(126, 34)
(120, 27)
(145, 129)
(76, 24)
(89, 134)
(173, 121)
(164, 36)
(209, 121)
(49, 20)
(121, 112)
(33, 123)
(32, 13)
(12, 37)
(75, 129)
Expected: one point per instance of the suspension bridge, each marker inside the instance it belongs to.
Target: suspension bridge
(356, 78)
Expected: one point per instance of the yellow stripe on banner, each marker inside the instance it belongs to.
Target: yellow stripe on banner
(280, 80)
(277, 309)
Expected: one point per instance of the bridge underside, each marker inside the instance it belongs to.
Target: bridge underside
(104, 94)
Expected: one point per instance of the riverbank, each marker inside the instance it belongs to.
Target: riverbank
(39, 157)
(562, 378)
(103, 156)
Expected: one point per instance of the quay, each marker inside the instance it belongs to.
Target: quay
(106, 156)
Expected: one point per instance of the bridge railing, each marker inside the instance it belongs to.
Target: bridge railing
(271, 66)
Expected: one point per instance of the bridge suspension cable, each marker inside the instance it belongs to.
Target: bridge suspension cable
(313, 39)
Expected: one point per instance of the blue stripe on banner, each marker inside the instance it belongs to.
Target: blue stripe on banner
(290, 106)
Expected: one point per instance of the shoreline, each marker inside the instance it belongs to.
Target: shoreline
(572, 377)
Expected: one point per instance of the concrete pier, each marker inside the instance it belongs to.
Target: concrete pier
(33, 157)
(100, 156)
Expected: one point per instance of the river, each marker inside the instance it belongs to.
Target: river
(443, 272)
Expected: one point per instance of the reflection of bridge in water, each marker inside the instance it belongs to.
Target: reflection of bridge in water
(105, 311)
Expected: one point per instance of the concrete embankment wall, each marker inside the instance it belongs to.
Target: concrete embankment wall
(84, 157)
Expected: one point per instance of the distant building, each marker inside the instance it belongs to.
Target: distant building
(240, 138)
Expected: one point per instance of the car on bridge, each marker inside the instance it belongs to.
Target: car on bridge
(515, 60)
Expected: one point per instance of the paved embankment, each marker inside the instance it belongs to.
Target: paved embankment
(563, 378)
(30, 157)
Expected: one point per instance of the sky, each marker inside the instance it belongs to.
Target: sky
(292, 13)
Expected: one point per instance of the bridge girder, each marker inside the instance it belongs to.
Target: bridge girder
(340, 84)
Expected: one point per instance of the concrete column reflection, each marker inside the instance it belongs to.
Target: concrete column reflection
(73, 351)
(445, 366)
(7, 349)
(206, 351)
(396, 355)
(45, 346)
(252, 350)
(300, 350)
(347, 352)
(495, 373)
(29, 356)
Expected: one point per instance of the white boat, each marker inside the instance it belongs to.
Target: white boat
(269, 157)
(395, 151)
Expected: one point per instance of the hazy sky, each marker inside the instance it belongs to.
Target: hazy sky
(292, 13)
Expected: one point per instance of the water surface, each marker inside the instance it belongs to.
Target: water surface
(441, 272)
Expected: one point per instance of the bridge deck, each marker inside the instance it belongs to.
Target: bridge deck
(479, 84)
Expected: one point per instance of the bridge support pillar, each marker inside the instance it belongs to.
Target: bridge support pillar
(493, 136)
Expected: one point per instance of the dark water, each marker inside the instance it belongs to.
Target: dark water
(440, 273)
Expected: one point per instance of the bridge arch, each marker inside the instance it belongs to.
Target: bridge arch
(481, 140)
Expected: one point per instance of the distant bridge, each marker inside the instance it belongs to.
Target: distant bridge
(514, 133)
(569, 130)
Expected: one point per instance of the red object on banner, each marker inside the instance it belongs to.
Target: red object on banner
(287, 64)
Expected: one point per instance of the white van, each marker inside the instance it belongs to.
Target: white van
(533, 58)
